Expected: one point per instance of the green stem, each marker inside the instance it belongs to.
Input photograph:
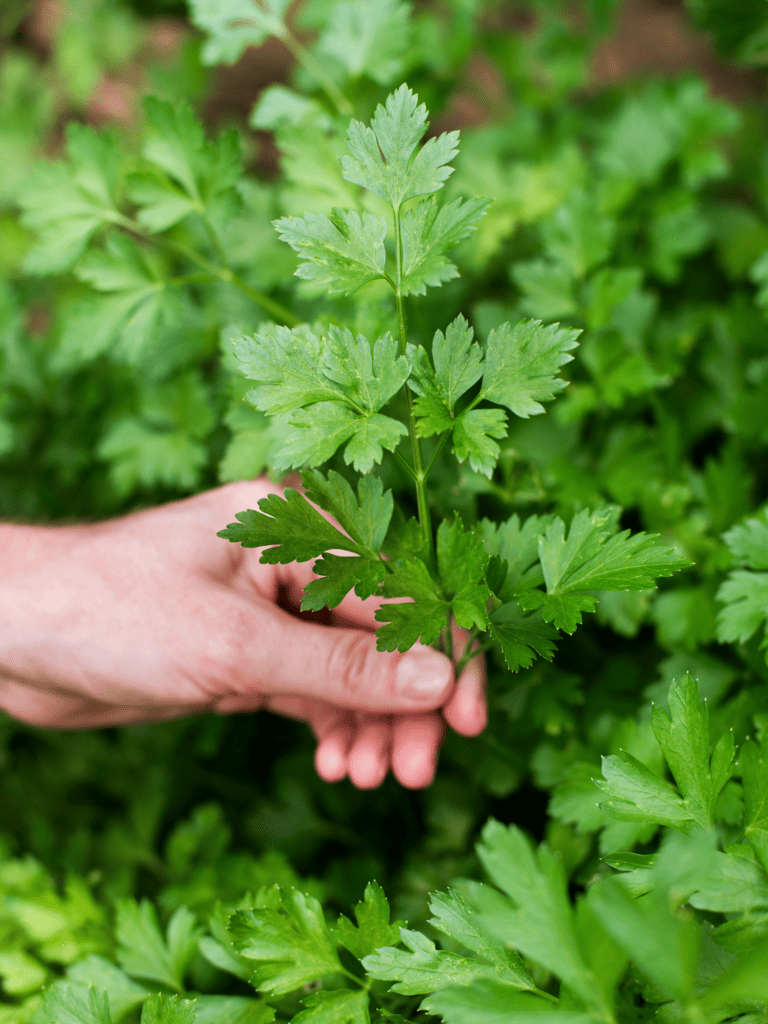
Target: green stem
(409, 469)
(420, 476)
(468, 655)
(318, 72)
(354, 977)
(275, 309)
(444, 437)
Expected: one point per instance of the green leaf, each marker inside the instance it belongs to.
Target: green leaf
(368, 37)
(366, 518)
(288, 368)
(295, 528)
(748, 541)
(233, 1010)
(461, 561)
(518, 545)
(70, 1003)
(735, 884)
(428, 232)
(547, 289)
(753, 761)
(683, 736)
(340, 1007)
(371, 435)
(145, 953)
(164, 1009)
(423, 618)
(382, 157)
(292, 944)
(537, 918)
(486, 1001)
(458, 364)
(422, 968)
(473, 435)
(234, 25)
(455, 916)
(577, 235)
(371, 377)
(123, 994)
(341, 252)
(521, 364)
(338, 575)
(521, 637)
(373, 927)
(65, 203)
(746, 606)
(637, 794)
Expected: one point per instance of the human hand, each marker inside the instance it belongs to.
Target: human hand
(152, 616)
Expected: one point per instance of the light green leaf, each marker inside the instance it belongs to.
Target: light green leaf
(521, 364)
(486, 1001)
(233, 1010)
(520, 637)
(145, 953)
(341, 252)
(745, 595)
(339, 1007)
(368, 37)
(70, 1003)
(428, 232)
(458, 364)
(291, 945)
(748, 541)
(123, 994)
(753, 761)
(164, 1009)
(234, 25)
(577, 235)
(547, 289)
(371, 377)
(637, 794)
(373, 927)
(382, 157)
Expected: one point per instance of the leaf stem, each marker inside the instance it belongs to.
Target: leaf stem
(420, 476)
(354, 977)
(318, 72)
(468, 655)
(221, 273)
(436, 452)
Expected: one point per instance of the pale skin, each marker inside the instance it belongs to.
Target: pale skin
(151, 616)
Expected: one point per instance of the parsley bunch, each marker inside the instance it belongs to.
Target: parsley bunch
(515, 584)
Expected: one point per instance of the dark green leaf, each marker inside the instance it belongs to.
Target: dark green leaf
(373, 927)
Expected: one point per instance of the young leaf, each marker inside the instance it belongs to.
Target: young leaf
(428, 232)
(234, 25)
(473, 435)
(341, 252)
(339, 1007)
(71, 1003)
(292, 944)
(373, 928)
(66, 202)
(144, 952)
(296, 529)
(536, 919)
(371, 377)
(163, 1009)
(366, 518)
(382, 157)
(458, 364)
(368, 37)
(521, 365)
(637, 794)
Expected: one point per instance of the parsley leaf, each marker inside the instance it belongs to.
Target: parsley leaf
(368, 37)
(521, 364)
(473, 434)
(69, 1003)
(745, 593)
(234, 25)
(366, 517)
(520, 637)
(340, 1007)
(683, 735)
(461, 561)
(65, 203)
(753, 761)
(428, 232)
(145, 953)
(291, 943)
(296, 529)
(536, 918)
(382, 157)
(371, 378)
(458, 364)
(164, 1009)
(340, 574)
(422, 618)
(486, 1001)
(341, 252)
(373, 928)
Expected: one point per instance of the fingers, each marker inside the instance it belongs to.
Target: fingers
(416, 741)
(287, 656)
(368, 759)
(467, 711)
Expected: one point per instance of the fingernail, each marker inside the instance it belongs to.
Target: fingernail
(423, 673)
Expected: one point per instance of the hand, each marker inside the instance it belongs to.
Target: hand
(152, 616)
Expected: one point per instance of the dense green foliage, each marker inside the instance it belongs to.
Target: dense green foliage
(600, 853)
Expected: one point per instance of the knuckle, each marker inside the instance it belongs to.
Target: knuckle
(352, 662)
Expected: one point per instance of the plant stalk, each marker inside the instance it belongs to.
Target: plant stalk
(420, 477)
(318, 72)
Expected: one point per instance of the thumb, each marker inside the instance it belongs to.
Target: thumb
(343, 667)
